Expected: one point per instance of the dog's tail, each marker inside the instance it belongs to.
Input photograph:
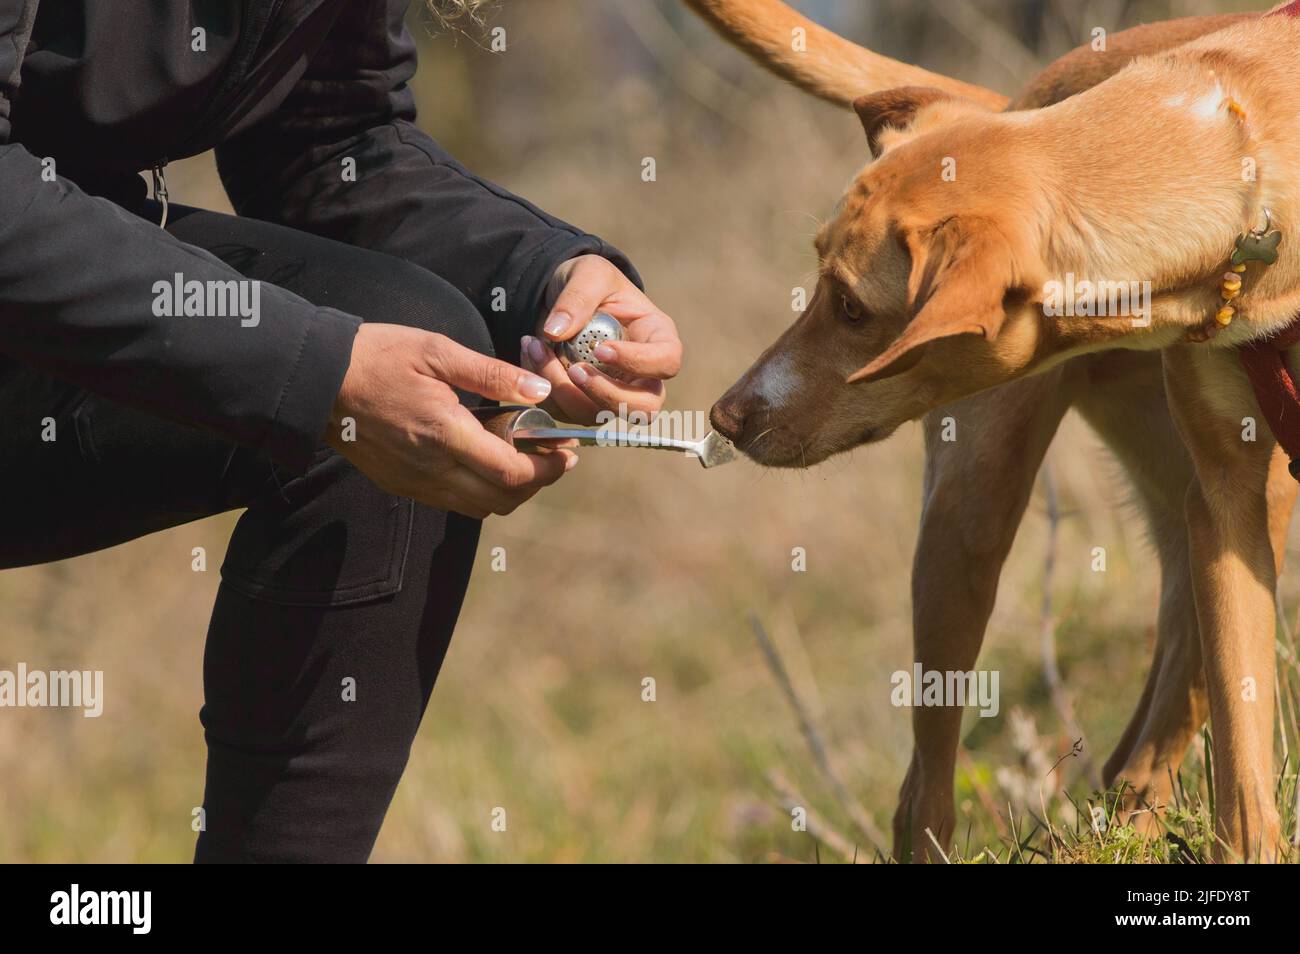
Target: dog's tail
(817, 60)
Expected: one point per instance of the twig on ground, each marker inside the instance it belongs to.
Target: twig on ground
(852, 807)
(1061, 697)
(817, 827)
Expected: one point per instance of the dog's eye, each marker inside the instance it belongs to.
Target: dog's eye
(852, 309)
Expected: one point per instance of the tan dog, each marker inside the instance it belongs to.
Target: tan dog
(935, 274)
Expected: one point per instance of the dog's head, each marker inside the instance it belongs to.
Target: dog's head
(930, 285)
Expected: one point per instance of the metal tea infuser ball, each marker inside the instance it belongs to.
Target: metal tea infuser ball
(581, 348)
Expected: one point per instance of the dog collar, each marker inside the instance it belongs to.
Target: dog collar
(1254, 245)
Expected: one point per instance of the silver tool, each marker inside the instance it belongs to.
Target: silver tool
(532, 425)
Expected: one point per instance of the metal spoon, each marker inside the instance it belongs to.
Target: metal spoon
(532, 425)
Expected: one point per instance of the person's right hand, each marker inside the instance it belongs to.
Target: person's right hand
(413, 437)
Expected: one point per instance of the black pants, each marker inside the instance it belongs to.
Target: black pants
(337, 600)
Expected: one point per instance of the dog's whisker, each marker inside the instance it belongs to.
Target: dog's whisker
(818, 221)
(750, 444)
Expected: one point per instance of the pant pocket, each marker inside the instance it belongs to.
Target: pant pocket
(327, 538)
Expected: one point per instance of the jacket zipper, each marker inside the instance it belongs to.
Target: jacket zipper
(160, 188)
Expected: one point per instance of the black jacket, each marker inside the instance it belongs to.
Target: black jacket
(284, 92)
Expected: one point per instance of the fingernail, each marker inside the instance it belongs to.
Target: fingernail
(533, 387)
(571, 463)
(604, 352)
(525, 349)
(557, 324)
(578, 373)
(536, 351)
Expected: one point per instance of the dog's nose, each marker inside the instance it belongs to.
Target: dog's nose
(728, 417)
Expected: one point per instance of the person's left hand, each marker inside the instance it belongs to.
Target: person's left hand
(649, 354)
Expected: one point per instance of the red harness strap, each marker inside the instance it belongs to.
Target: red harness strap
(1265, 364)
(1275, 387)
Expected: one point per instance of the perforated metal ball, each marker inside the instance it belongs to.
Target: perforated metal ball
(582, 346)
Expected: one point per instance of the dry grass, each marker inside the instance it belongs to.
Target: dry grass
(538, 708)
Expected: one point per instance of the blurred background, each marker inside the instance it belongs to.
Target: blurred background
(539, 706)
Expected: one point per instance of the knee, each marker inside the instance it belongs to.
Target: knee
(418, 298)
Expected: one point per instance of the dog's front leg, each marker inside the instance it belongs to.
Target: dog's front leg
(976, 489)
(1233, 581)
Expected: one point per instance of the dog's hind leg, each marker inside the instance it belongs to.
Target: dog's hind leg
(1231, 532)
(1133, 417)
(1124, 402)
(976, 490)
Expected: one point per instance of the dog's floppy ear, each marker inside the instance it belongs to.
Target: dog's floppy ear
(962, 272)
(894, 108)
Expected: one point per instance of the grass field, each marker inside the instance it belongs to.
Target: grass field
(539, 706)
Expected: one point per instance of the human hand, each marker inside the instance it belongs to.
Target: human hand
(414, 438)
(650, 354)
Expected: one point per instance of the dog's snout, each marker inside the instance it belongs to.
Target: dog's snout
(728, 417)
